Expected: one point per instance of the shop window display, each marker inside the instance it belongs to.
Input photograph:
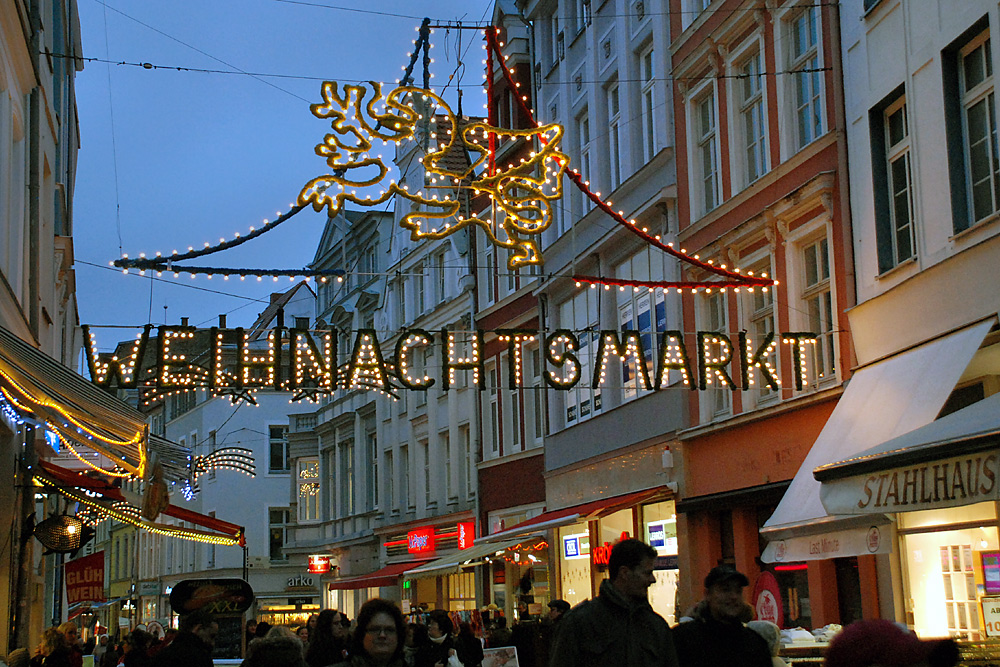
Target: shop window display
(945, 580)
(574, 563)
(659, 521)
(793, 580)
(943, 553)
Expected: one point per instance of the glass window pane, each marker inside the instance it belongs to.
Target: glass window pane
(974, 68)
(897, 126)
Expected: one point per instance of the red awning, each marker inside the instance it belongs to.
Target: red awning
(80, 480)
(584, 512)
(387, 576)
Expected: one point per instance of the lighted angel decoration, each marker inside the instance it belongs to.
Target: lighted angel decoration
(522, 194)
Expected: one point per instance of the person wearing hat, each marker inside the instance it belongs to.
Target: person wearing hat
(717, 636)
(884, 643)
(618, 627)
(547, 631)
(556, 609)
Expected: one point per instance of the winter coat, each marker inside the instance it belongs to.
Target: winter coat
(363, 661)
(433, 652)
(470, 650)
(707, 642)
(613, 630)
(186, 649)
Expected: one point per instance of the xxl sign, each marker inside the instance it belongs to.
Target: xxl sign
(185, 358)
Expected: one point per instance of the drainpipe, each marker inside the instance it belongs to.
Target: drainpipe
(844, 183)
(34, 176)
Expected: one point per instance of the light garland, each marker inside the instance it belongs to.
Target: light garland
(104, 372)
(78, 455)
(566, 341)
(799, 364)
(673, 356)
(404, 344)
(236, 459)
(473, 361)
(759, 360)
(733, 278)
(96, 441)
(630, 346)
(714, 366)
(128, 514)
(515, 338)
(519, 190)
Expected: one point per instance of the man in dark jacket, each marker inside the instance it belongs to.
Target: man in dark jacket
(619, 627)
(192, 647)
(717, 635)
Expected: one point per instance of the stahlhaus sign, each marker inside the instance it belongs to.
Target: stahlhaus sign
(948, 482)
(305, 361)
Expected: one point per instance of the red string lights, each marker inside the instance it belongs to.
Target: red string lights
(732, 278)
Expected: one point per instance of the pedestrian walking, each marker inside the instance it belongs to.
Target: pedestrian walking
(379, 636)
(619, 627)
(468, 647)
(717, 636)
(547, 631)
(329, 643)
(277, 649)
(440, 645)
(52, 651)
(192, 647)
(771, 634)
(137, 645)
(71, 633)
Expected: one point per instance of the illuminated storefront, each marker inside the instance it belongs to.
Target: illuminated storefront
(941, 483)
(579, 541)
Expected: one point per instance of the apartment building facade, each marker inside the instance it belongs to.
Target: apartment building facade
(919, 111)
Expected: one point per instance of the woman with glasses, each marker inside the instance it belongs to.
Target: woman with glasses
(378, 638)
(328, 645)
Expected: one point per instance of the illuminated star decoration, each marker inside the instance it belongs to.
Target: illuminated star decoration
(523, 193)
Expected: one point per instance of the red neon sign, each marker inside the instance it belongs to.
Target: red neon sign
(319, 564)
(466, 534)
(420, 540)
(602, 554)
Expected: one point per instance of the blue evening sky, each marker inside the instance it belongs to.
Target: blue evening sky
(171, 159)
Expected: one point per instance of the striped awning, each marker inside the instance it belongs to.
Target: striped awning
(41, 389)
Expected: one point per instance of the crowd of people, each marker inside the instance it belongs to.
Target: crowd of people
(618, 627)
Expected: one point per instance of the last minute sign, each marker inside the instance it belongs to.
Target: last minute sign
(186, 358)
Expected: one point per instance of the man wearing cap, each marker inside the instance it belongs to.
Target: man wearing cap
(619, 627)
(547, 631)
(717, 635)
(556, 609)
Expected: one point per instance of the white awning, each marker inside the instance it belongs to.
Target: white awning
(453, 562)
(950, 462)
(881, 401)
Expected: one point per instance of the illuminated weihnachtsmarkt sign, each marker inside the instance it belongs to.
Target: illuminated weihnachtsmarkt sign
(230, 362)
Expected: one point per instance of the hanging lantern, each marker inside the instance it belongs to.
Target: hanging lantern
(63, 534)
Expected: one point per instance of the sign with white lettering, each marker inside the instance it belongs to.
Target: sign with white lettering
(85, 579)
(859, 541)
(949, 482)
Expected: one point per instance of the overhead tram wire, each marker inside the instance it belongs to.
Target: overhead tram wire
(200, 70)
(677, 12)
(202, 52)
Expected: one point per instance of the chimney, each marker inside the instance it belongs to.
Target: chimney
(184, 321)
(222, 320)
